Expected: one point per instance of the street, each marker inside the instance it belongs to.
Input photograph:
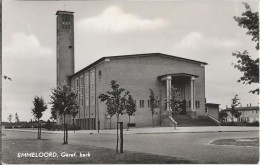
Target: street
(190, 146)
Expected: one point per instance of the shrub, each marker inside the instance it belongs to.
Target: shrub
(55, 127)
(255, 123)
(8, 127)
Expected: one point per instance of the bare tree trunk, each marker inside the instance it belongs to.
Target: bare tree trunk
(64, 130)
(110, 122)
(117, 133)
(74, 124)
(152, 120)
(39, 137)
(128, 123)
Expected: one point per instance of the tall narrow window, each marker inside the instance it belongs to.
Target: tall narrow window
(92, 82)
(86, 89)
(77, 88)
(81, 91)
(141, 103)
(72, 85)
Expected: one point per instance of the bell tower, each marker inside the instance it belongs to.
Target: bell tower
(65, 46)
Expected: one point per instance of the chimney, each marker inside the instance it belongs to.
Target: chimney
(250, 104)
(226, 106)
(246, 105)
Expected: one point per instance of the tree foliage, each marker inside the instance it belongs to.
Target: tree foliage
(223, 115)
(17, 120)
(248, 66)
(39, 106)
(237, 114)
(175, 100)
(63, 101)
(153, 103)
(9, 118)
(130, 106)
(235, 102)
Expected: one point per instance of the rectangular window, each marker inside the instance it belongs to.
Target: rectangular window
(81, 91)
(72, 85)
(81, 86)
(86, 89)
(77, 88)
(141, 103)
(197, 104)
(189, 103)
(92, 82)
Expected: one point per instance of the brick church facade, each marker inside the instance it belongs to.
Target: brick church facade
(137, 73)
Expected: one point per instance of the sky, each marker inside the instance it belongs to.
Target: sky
(198, 30)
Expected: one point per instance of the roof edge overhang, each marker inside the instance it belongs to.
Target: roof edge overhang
(133, 56)
(162, 77)
(62, 12)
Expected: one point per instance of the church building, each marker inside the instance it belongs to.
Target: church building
(137, 73)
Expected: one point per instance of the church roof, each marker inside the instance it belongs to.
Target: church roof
(64, 12)
(138, 55)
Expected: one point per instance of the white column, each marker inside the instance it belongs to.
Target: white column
(168, 91)
(192, 93)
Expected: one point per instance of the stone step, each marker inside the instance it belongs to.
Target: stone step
(185, 121)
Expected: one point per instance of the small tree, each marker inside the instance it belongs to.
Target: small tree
(223, 115)
(37, 111)
(175, 100)
(9, 118)
(63, 101)
(17, 118)
(237, 114)
(234, 104)
(53, 114)
(248, 66)
(153, 103)
(130, 107)
(110, 110)
(115, 101)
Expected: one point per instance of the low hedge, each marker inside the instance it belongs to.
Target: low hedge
(255, 123)
(55, 127)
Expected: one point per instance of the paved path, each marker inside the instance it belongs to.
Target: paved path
(190, 146)
(149, 130)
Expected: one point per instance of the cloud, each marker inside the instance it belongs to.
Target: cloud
(114, 19)
(195, 44)
(32, 69)
(26, 44)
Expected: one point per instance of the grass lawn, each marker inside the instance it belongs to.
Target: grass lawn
(98, 155)
(238, 142)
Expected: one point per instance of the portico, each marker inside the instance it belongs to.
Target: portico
(185, 84)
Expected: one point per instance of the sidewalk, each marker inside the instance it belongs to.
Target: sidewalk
(157, 130)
